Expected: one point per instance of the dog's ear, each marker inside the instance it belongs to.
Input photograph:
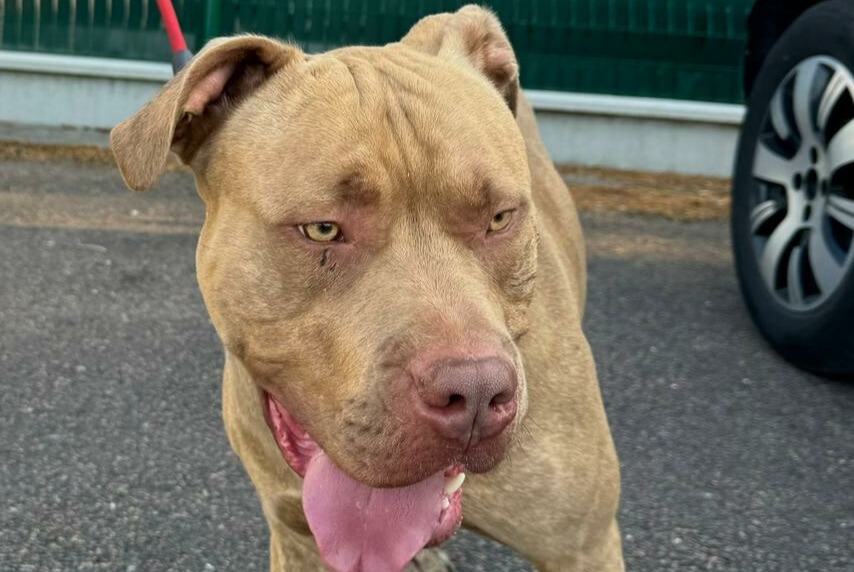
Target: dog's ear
(193, 104)
(475, 35)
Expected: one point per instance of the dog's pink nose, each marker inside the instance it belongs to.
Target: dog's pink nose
(468, 400)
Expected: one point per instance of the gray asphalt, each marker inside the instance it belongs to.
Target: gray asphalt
(113, 456)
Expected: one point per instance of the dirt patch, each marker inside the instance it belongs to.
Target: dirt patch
(18, 151)
(679, 197)
(15, 151)
(652, 247)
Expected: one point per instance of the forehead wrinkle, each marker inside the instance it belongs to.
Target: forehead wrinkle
(405, 116)
(385, 123)
(407, 137)
(437, 170)
(411, 90)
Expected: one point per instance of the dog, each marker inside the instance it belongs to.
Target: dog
(397, 274)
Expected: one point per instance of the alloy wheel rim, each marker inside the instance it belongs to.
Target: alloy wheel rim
(802, 199)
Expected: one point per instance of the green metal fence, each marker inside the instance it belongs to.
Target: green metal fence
(686, 49)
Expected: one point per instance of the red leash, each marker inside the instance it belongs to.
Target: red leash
(180, 54)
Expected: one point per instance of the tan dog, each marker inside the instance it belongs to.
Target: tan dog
(375, 221)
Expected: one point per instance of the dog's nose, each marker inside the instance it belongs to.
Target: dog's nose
(468, 400)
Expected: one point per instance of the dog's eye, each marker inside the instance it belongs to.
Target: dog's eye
(500, 221)
(321, 231)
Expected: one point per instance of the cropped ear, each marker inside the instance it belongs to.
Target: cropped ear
(193, 104)
(475, 35)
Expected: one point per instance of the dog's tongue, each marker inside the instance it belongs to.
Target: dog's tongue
(363, 529)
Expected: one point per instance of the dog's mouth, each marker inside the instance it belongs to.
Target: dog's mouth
(358, 527)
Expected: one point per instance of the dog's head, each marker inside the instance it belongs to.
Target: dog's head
(369, 247)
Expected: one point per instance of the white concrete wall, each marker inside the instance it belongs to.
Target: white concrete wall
(639, 144)
(637, 133)
(65, 91)
(593, 130)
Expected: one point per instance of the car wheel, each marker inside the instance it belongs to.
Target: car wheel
(793, 193)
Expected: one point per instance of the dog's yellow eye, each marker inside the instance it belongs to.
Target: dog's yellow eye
(500, 221)
(321, 231)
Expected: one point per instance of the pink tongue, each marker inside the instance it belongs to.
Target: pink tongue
(363, 529)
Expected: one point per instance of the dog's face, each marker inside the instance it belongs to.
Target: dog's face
(369, 247)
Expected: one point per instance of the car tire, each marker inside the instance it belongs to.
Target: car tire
(793, 193)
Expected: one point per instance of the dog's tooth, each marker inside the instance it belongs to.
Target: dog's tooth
(446, 504)
(454, 483)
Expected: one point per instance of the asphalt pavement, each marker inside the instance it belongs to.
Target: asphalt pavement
(113, 455)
